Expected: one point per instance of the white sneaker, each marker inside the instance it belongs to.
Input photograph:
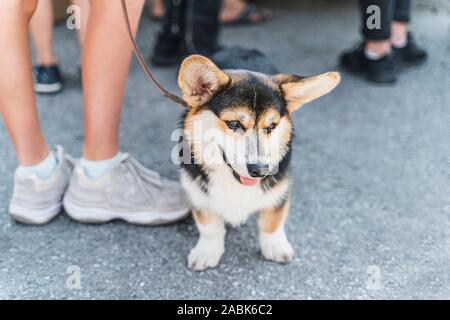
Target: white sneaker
(37, 201)
(128, 192)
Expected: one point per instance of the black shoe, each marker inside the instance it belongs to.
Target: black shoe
(168, 51)
(183, 31)
(379, 71)
(411, 54)
(47, 79)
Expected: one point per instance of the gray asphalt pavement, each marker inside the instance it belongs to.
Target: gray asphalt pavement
(371, 201)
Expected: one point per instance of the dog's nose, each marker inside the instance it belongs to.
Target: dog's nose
(258, 170)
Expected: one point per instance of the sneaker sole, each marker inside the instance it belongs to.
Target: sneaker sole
(47, 88)
(99, 215)
(363, 75)
(404, 66)
(34, 217)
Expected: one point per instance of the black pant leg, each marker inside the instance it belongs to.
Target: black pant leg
(386, 13)
(191, 25)
(174, 18)
(202, 26)
(402, 11)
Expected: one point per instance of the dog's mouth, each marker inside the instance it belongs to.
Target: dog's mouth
(249, 182)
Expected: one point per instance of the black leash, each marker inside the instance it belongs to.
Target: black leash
(144, 67)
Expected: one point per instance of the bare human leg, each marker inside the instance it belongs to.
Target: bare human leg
(381, 48)
(41, 26)
(84, 9)
(17, 100)
(106, 61)
(399, 33)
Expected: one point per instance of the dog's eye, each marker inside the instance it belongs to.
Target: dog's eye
(270, 128)
(234, 125)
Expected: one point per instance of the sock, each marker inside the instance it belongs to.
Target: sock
(373, 55)
(95, 169)
(400, 44)
(43, 169)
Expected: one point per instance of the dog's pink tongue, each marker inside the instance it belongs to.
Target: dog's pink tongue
(248, 181)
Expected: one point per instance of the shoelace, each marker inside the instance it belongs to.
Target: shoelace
(141, 174)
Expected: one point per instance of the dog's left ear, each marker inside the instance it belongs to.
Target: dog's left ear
(200, 80)
(298, 91)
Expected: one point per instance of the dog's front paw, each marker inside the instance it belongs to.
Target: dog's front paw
(205, 254)
(278, 252)
(276, 248)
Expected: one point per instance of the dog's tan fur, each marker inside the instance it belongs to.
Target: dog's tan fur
(272, 218)
(203, 216)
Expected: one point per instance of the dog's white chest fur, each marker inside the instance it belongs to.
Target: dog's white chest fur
(229, 198)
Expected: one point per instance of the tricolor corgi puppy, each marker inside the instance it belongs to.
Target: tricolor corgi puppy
(237, 135)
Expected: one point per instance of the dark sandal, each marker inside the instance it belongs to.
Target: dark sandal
(248, 16)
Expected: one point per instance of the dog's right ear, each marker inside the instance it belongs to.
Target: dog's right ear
(200, 80)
